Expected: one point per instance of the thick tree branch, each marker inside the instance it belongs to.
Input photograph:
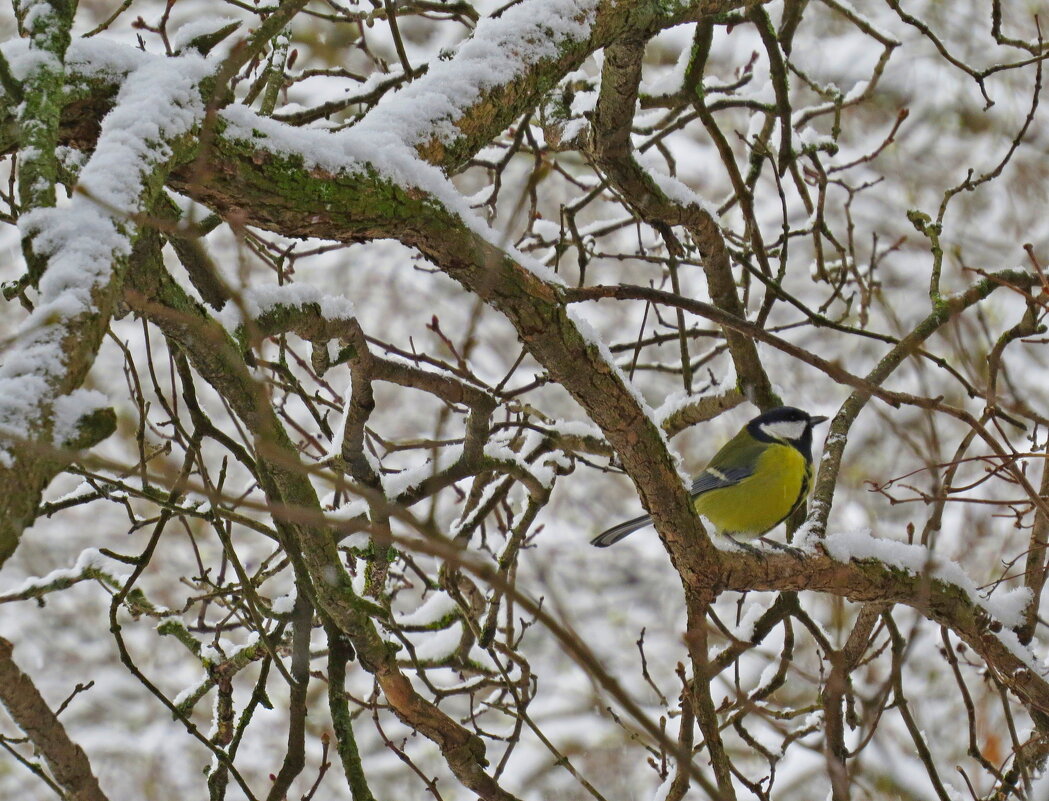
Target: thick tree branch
(872, 581)
(67, 760)
(40, 110)
(58, 342)
(613, 153)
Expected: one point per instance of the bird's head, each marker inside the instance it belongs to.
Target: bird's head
(786, 425)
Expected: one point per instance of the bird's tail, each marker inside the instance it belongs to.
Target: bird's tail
(617, 532)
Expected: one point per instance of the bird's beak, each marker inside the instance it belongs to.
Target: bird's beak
(815, 421)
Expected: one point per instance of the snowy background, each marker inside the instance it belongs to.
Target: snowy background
(609, 597)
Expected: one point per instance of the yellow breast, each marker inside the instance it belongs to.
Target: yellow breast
(763, 499)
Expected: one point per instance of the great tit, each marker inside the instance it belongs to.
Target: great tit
(754, 482)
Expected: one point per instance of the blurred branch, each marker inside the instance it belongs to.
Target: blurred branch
(295, 759)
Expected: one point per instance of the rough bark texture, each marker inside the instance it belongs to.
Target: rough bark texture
(66, 760)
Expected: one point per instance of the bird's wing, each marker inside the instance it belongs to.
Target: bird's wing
(712, 478)
(736, 460)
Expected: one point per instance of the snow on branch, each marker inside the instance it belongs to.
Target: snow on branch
(500, 50)
(917, 560)
(160, 102)
(83, 243)
(388, 138)
(259, 301)
(91, 564)
(47, 24)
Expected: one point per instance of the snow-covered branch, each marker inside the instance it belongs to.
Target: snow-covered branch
(86, 246)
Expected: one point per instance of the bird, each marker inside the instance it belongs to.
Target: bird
(754, 483)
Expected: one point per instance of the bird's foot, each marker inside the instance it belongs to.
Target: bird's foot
(797, 553)
(754, 551)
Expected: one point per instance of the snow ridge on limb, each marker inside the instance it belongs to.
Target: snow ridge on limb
(514, 57)
(47, 24)
(86, 246)
(433, 112)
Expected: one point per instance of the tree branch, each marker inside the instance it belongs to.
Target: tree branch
(67, 760)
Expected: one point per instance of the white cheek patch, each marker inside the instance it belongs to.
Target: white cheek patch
(785, 429)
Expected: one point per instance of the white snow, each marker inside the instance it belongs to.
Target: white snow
(36, 13)
(258, 300)
(86, 58)
(81, 489)
(69, 157)
(676, 401)
(546, 229)
(99, 58)
(70, 409)
(674, 189)
(916, 560)
(283, 605)
(435, 608)
(856, 91)
(89, 559)
(194, 29)
(349, 511)
(756, 607)
(543, 472)
(1008, 638)
(576, 428)
(188, 692)
(225, 649)
(459, 523)
(437, 645)
(499, 51)
(664, 788)
(393, 484)
(338, 432)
